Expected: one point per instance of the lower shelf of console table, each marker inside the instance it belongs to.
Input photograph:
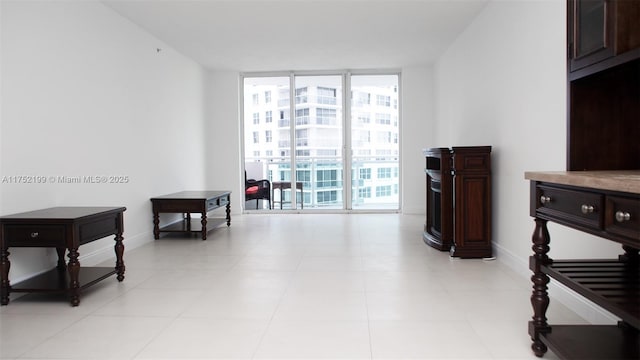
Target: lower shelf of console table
(612, 284)
(603, 342)
(57, 280)
(192, 225)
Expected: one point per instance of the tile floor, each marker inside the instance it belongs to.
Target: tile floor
(287, 286)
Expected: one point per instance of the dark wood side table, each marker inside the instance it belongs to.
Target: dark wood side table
(64, 228)
(187, 202)
(284, 185)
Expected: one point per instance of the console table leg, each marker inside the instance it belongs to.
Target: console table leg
(203, 221)
(630, 255)
(4, 284)
(74, 270)
(540, 296)
(228, 210)
(156, 226)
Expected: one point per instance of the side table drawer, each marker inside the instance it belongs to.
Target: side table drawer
(578, 207)
(34, 235)
(623, 217)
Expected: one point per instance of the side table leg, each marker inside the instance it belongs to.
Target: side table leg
(4, 268)
(540, 296)
(74, 270)
(61, 264)
(228, 210)
(203, 221)
(119, 249)
(156, 226)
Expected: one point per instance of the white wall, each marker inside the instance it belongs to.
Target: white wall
(86, 92)
(223, 135)
(502, 83)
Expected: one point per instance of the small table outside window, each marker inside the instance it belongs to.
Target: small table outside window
(284, 185)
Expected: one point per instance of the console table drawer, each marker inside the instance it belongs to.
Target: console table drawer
(34, 235)
(623, 217)
(185, 206)
(216, 203)
(578, 207)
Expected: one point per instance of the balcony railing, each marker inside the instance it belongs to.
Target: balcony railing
(364, 189)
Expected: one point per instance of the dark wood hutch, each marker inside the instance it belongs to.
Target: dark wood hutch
(599, 194)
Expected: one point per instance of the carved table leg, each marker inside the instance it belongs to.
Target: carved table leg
(203, 221)
(540, 296)
(119, 248)
(228, 210)
(74, 271)
(61, 264)
(156, 226)
(4, 268)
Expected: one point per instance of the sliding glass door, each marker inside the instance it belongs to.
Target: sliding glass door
(314, 143)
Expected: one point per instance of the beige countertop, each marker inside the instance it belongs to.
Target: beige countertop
(619, 180)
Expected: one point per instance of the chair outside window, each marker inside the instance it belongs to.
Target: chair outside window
(257, 190)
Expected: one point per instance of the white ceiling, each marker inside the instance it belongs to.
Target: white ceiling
(274, 35)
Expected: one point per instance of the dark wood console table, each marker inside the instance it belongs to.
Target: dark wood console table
(64, 228)
(605, 204)
(187, 202)
(284, 185)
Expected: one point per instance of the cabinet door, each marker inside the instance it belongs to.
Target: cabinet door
(601, 30)
(590, 32)
(472, 224)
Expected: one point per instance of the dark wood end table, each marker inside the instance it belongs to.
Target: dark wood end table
(64, 228)
(187, 202)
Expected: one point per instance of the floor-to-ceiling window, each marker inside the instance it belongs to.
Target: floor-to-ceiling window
(336, 138)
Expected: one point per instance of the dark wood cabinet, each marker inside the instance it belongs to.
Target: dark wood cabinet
(603, 84)
(458, 200)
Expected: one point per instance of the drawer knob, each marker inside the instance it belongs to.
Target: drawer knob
(586, 209)
(545, 199)
(622, 216)
(34, 235)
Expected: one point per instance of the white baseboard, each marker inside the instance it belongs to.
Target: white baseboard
(558, 292)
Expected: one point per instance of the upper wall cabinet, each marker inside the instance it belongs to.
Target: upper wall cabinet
(603, 83)
(600, 30)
